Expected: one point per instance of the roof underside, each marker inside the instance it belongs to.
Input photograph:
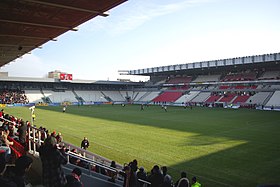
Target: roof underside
(28, 24)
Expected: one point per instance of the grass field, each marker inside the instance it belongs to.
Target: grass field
(222, 147)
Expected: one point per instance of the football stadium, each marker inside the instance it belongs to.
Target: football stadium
(207, 123)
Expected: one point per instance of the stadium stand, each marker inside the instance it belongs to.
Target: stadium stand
(34, 96)
(61, 96)
(201, 97)
(213, 99)
(187, 97)
(11, 96)
(177, 80)
(227, 98)
(89, 96)
(138, 95)
(207, 78)
(268, 75)
(168, 97)
(115, 96)
(148, 96)
(240, 76)
(241, 99)
(127, 95)
(259, 98)
(274, 100)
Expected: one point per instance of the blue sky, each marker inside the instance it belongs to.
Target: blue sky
(149, 33)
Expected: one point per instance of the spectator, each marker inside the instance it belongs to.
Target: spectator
(5, 143)
(52, 159)
(130, 179)
(167, 179)
(111, 173)
(17, 173)
(3, 180)
(74, 179)
(156, 177)
(85, 143)
(22, 133)
(195, 183)
(59, 138)
(141, 174)
(183, 181)
(74, 160)
(2, 113)
(133, 165)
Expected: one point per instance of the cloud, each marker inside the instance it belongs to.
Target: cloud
(133, 14)
(28, 66)
(144, 11)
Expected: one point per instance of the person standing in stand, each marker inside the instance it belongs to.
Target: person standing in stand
(52, 160)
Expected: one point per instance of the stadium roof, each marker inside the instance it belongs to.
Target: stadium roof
(28, 24)
(267, 61)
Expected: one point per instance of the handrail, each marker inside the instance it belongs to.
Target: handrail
(69, 153)
(89, 154)
(116, 170)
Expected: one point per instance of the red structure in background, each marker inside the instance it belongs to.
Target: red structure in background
(65, 76)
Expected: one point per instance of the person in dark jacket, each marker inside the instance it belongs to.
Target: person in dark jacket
(141, 174)
(17, 173)
(183, 181)
(85, 143)
(52, 159)
(130, 178)
(156, 177)
(73, 180)
(4, 181)
(22, 133)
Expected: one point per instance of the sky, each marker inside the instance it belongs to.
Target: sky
(150, 33)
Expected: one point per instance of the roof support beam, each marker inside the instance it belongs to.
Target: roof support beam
(69, 7)
(23, 36)
(38, 24)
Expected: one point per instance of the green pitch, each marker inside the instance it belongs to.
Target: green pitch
(222, 147)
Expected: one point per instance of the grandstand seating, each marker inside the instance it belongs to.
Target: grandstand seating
(91, 96)
(224, 87)
(259, 98)
(148, 96)
(241, 99)
(274, 100)
(114, 95)
(127, 94)
(59, 97)
(11, 96)
(213, 98)
(34, 96)
(201, 97)
(138, 95)
(177, 80)
(187, 97)
(237, 87)
(168, 97)
(207, 78)
(270, 75)
(240, 76)
(227, 98)
(275, 87)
